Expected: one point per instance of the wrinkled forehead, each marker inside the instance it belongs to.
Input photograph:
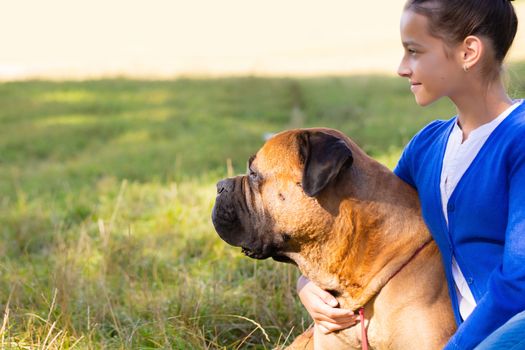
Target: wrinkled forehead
(280, 154)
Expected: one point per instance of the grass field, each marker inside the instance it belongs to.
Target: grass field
(106, 189)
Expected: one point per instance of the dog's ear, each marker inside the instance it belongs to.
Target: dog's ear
(323, 156)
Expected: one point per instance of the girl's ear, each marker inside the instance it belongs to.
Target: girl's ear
(472, 49)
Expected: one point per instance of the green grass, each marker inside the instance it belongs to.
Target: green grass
(106, 189)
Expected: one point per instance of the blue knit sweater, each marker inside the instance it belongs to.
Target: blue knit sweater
(486, 211)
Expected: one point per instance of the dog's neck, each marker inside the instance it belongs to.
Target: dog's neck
(371, 241)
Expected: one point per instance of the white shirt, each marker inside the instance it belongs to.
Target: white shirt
(458, 157)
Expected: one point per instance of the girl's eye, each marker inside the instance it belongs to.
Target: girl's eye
(412, 51)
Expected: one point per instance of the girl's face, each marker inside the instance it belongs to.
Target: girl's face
(431, 73)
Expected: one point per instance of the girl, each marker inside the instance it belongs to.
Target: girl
(469, 171)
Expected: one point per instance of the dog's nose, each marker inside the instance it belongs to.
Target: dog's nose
(225, 185)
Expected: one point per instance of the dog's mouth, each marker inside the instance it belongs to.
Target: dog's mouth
(261, 255)
(255, 253)
(284, 259)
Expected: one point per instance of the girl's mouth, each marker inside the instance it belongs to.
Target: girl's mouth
(414, 86)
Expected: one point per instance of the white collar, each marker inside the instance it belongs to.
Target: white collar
(485, 129)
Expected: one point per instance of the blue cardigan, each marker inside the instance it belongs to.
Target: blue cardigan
(486, 214)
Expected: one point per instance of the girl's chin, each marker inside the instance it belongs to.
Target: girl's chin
(424, 101)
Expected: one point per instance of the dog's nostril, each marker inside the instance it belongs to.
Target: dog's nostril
(224, 185)
(220, 187)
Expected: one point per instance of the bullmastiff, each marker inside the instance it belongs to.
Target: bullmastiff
(313, 198)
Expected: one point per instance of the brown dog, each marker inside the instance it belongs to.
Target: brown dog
(313, 198)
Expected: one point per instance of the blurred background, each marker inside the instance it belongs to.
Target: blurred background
(117, 118)
(169, 38)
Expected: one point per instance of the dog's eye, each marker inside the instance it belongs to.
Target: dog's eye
(253, 175)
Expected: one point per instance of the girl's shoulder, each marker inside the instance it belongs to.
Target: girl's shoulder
(435, 131)
(517, 118)
(514, 125)
(436, 127)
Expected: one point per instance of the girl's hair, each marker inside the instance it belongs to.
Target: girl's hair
(454, 20)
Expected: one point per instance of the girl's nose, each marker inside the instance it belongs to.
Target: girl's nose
(403, 70)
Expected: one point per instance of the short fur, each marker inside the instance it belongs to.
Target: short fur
(351, 236)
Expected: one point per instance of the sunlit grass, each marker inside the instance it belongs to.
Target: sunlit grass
(68, 96)
(69, 119)
(106, 189)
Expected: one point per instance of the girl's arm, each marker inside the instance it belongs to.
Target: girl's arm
(505, 295)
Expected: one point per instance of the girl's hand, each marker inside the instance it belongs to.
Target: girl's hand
(323, 307)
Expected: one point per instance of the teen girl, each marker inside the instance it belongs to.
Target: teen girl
(469, 171)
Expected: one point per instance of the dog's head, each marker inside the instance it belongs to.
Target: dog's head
(278, 204)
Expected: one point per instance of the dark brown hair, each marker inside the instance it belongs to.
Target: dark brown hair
(454, 20)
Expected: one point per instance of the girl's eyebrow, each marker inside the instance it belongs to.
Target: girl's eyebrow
(410, 43)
